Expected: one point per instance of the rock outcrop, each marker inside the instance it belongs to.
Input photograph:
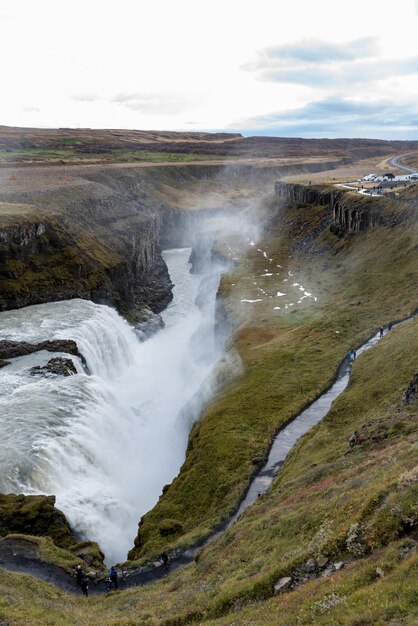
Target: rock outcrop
(34, 515)
(58, 366)
(411, 392)
(12, 349)
(351, 213)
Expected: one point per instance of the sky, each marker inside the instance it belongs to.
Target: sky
(303, 68)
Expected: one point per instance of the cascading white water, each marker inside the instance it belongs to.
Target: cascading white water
(106, 444)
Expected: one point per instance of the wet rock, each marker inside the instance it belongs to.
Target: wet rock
(310, 566)
(338, 566)
(322, 561)
(328, 571)
(149, 324)
(57, 366)
(380, 572)
(411, 393)
(282, 585)
(3, 363)
(13, 349)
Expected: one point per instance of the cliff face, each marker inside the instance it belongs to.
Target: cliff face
(350, 213)
(88, 241)
(97, 233)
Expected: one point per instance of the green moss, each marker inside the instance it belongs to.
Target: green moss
(289, 358)
(91, 554)
(355, 504)
(34, 515)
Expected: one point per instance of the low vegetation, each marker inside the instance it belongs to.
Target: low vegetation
(34, 515)
(331, 501)
(289, 357)
(71, 155)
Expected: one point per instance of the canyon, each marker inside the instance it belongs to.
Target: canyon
(312, 271)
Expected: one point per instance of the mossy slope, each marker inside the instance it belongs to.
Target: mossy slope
(360, 282)
(358, 506)
(34, 515)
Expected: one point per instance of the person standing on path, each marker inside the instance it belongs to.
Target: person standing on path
(113, 577)
(85, 586)
(79, 575)
(381, 332)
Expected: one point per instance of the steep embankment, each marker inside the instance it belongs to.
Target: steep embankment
(290, 342)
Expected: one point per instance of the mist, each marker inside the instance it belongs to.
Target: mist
(106, 444)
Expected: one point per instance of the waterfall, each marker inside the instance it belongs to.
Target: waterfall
(106, 443)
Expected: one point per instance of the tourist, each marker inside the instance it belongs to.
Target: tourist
(165, 560)
(79, 575)
(113, 578)
(85, 586)
(381, 332)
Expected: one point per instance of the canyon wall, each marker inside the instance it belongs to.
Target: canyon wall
(98, 232)
(350, 212)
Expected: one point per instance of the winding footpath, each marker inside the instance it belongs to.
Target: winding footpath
(14, 554)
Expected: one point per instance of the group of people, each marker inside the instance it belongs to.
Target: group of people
(351, 354)
(82, 579)
(382, 330)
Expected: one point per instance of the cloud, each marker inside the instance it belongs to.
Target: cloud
(343, 74)
(155, 104)
(85, 97)
(338, 117)
(147, 103)
(313, 51)
(30, 109)
(321, 64)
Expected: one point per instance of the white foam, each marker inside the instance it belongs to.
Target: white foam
(106, 444)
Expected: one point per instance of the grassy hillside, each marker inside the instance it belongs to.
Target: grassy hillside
(359, 507)
(329, 502)
(289, 355)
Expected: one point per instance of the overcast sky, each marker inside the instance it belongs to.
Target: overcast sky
(310, 68)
